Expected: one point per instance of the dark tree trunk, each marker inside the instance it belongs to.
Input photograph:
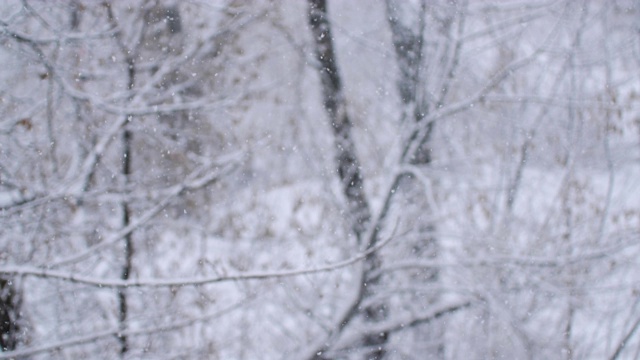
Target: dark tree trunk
(128, 248)
(127, 138)
(9, 315)
(335, 104)
(408, 41)
(348, 165)
(408, 44)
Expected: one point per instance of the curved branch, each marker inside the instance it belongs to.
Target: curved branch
(624, 341)
(193, 182)
(399, 324)
(110, 333)
(193, 281)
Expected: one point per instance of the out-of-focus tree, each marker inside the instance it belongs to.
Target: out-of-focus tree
(107, 132)
(319, 179)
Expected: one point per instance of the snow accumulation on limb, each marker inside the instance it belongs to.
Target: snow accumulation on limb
(189, 281)
(401, 323)
(521, 261)
(224, 165)
(621, 346)
(357, 339)
(193, 182)
(30, 351)
(62, 39)
(420, 128)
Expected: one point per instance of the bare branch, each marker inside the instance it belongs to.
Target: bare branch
(179, 282)
(115, 332)
(625, 340)
(402, 323)
(195, 181)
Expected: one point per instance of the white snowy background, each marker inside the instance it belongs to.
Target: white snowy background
(518, 239)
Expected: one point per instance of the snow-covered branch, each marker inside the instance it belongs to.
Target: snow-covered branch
(173, 282)
(196, 180)
(356, 340)
(85, 339)
(494, 261)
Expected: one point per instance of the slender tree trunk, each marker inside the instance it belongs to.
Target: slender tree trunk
(335, 105)
(408, 46)
(347, 163)
(128, 249)
(408, 41)
(127, 138)
(9, 315)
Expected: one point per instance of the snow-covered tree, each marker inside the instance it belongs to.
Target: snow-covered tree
(319, 179)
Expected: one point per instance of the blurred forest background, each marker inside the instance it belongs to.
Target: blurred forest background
(393, 179)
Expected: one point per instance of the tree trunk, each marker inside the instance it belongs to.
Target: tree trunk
(9, 315)
(408, 41)
(127, 138)
(348, 164)
(335, 105)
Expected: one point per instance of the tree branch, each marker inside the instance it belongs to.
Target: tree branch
(114, 332)
(193, 281)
